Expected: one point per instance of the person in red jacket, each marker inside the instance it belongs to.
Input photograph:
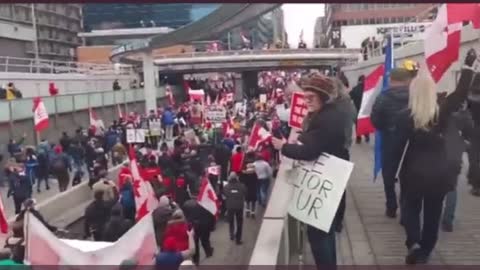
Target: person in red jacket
(177, 228)
(237, 160)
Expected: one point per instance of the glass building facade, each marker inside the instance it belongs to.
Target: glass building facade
(115, 16)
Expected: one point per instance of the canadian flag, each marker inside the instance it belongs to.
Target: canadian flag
(42, 247)
(120, 113)
(442, 38)
(227, 127)
(213, 170)
(40, 115)
(196, 94)
(207, 197)
(94, 120)
(258, 136)
(145, 200)
(370, 92)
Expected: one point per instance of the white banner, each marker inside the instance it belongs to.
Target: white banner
(42, 247)
(318, 190)
(130, 135)
(216, 114)
(135, 135)
(155, 127)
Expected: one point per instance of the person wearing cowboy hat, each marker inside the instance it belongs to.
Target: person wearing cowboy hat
(323, 132)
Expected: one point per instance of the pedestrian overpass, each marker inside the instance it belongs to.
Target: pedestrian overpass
(249, 60)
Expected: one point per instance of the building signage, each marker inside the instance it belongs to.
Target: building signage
(354, 35)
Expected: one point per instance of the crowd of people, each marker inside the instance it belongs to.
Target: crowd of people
(424, 135)
(174, 161)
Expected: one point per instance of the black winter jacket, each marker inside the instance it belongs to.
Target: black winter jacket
(389, 106)
(324, 132)
(433, 159)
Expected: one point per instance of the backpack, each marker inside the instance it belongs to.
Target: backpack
(58, 164)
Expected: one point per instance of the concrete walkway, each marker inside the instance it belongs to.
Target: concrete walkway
(370, 238)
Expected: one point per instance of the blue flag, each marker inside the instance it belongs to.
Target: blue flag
(389, 65)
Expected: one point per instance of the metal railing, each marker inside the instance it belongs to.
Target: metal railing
(21, 109)
(259, 52)
(30, 65)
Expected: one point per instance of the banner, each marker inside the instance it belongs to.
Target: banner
(135, 135)
(155, 127)
(43, 248)
(318, 190)
(216, 114)
(298, 110)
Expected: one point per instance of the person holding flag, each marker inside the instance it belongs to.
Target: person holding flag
(431, 158)
(392, 100)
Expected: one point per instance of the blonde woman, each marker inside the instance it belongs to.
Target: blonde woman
(432, 158)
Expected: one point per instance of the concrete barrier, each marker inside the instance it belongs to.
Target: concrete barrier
(67, 207)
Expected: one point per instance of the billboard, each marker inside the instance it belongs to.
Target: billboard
(353, 35)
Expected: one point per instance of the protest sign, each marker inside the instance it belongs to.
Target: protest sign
(140, 135)
(263, 98)
(131, 135)
(155, 127)
(318, 189)
(298, 110)
(216, 114)
(135, 135)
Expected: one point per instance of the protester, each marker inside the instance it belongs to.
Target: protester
(169, 258)
(60, 168)
(385, 112)
(235, 193)
(117, 225)
(323, 132)
(96, 216)
(432, 158)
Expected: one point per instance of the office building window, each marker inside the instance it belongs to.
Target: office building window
(394, 20)
(386, 20)
(365, 21)
(378, 20)
(372, 21)
(358, 21)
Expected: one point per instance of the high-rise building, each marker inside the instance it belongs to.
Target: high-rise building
(117, 16)
(349, 23)
(267, 29)
(57, 26)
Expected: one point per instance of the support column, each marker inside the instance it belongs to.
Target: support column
(149, 82)
(239, 87)
(250, 83)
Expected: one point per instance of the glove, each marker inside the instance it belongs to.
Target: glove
(470, 58)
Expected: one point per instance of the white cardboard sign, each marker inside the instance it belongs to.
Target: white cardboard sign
(318, 190)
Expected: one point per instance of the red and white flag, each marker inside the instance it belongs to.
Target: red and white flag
(442, 38)
(40, 115)
(94, 120)
(207, 197)
(227, 127)
(120, 113)
(42, 247)
(371, 89)
(259, 135)
(198, 95)
(145, 200)
(213, 170)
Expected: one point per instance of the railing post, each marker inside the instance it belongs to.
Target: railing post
(6, 63)
(10, 119)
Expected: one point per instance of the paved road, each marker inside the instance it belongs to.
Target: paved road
(370, 238)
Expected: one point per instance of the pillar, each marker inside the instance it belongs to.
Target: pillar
(239, 87)
(250, 83)
(149, 82)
